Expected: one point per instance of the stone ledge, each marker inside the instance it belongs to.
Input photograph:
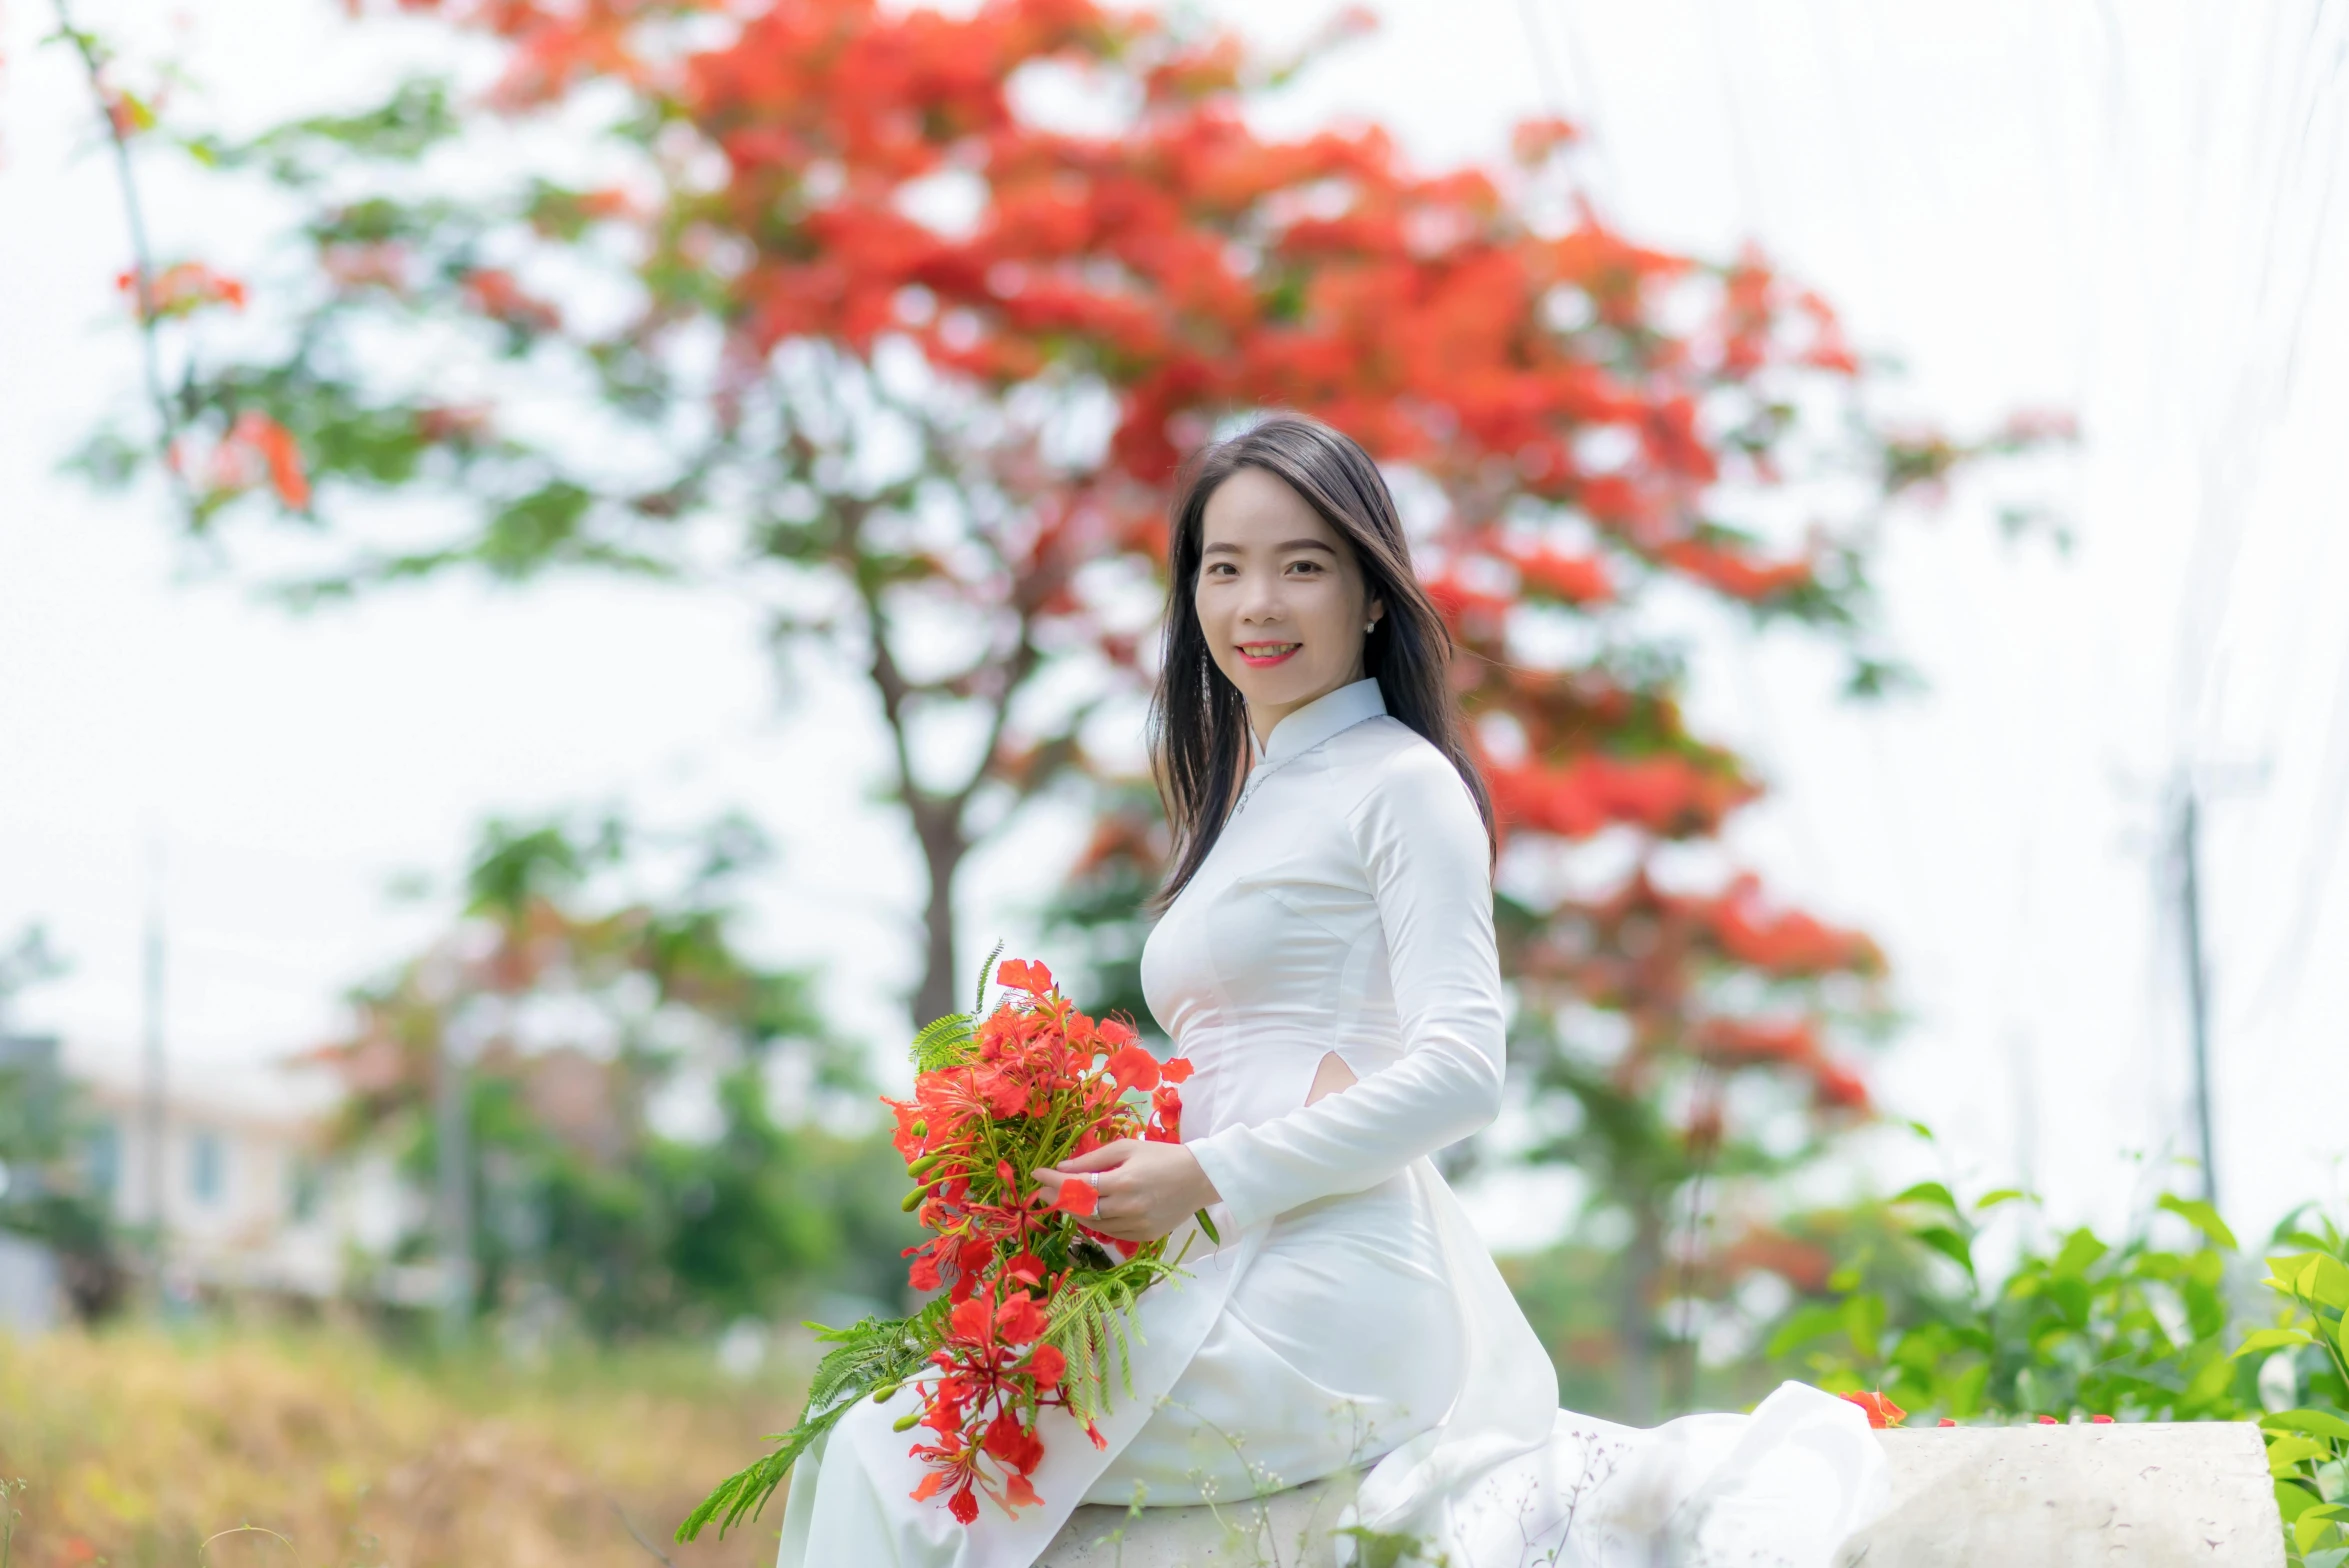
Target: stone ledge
(2147, 1495)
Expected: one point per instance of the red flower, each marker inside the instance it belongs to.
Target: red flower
(2100, 1420)
(1013, 1442)
(1175, 1069)
(1882, 1412)
(2049, 1421)
(1021, 975)
(1040, 1083)
(1134, 1068)
(1020, 1321)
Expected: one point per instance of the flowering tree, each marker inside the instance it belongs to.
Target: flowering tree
(901, 322)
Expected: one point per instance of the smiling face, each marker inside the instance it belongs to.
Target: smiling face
(1280, 596)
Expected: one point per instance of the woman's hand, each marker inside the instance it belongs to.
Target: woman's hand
(1146, 1189)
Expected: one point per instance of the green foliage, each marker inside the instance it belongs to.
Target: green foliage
(45, 1130)
(943, 1042)
(873, 1356)
(418, 117)
(1088, 1324)
(2308, 1444)
(2134, 1328)
(583, 1203)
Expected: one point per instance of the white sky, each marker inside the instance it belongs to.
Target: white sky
(2122, 211)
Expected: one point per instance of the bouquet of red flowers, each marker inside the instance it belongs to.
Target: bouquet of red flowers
(1033, 1313)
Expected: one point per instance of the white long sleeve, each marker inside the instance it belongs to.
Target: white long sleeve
(1421, 849)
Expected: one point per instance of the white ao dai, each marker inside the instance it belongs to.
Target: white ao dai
(1351, 1320)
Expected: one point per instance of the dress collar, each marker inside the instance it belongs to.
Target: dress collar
(1319, 719)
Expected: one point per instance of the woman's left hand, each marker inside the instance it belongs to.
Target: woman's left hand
(1146, 1189)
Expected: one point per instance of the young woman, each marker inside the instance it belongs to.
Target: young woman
(1326, 961)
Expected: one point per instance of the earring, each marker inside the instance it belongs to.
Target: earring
(1367, 630)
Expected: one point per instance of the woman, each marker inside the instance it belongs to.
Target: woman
(1326, 961)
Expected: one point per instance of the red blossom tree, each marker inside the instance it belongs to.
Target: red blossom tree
(903, 320)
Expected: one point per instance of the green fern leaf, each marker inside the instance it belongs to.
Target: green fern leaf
(986, 973)
(943, 1042)
(868, 1355)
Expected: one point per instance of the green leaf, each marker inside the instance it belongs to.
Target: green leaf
(869, 1355)
(2312, 1524)
(986, 974)
(2202, 1217)
(2288, 1450)
(2316, 1276)
(1804, 1325)
(2271, 1339)
(1928, 1192)
(1863, 1323)
(1948, 1243)
(1382, 1548)
(2081, 1249)
(942, 1042)
(1997, 1196)
(2315, 1423)
(2293, 1498)
(534, 530)
(1090, 1323)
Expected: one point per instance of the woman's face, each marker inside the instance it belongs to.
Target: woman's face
(1280, 597)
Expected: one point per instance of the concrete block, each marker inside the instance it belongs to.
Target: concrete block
(2149, 1495)
(2144, 1495)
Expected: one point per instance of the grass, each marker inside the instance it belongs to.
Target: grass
(316, 1450)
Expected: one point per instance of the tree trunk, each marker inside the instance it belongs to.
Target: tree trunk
(943, 847)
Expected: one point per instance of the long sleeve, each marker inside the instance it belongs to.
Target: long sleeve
(1423, 849)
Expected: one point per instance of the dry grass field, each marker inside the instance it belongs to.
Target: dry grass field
(322, 1451)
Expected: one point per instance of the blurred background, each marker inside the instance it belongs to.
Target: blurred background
(567, 571)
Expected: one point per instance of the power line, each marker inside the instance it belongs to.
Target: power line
(1584, 106)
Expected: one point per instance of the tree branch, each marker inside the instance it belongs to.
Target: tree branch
(113, 113)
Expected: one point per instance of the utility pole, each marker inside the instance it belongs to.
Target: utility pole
(455, 1188)
(2189, 853)
(2190, 789)
(154, 1087)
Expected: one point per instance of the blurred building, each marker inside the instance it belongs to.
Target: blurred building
(250, 1201)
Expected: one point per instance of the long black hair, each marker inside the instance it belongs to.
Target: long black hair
(1198, 720)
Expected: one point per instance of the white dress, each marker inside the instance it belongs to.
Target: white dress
(1352, 1320)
